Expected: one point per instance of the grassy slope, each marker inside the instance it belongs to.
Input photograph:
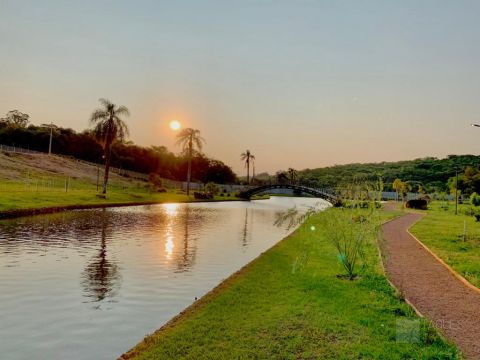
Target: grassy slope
(288, 303)
(442, 231)
(38, 181)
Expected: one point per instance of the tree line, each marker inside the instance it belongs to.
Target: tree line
(430, 174)
(15, 130)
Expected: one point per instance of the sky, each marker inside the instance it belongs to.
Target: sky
(300, 84)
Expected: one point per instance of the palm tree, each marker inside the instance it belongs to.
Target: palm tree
(109, 127)
(247, 156)
(189, 139)
(293, 175)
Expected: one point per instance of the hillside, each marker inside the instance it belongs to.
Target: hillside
(126, 155)
(24, 168)
(431, 172)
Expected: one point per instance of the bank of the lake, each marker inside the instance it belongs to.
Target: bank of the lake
(289, 303)
(27, 203)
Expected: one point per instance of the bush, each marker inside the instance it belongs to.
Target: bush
(476, 213)
(420, 204)
(202, 196)
(156, 182)
(475, 199)
(469, 211)
(212, 188)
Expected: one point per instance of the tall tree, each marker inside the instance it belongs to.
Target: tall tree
(397, 186)
(109, 127)
(190, 139)
(293, 175)
(248, 157)
(281, 177)
(402, 188)
(16, 118)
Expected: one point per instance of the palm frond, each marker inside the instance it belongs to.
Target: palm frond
(98, 114)
(108, 123)
(122, 110)
(105, 102)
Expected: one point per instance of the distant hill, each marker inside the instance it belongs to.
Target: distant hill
(432, 173)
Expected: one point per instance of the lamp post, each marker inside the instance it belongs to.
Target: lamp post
(50, 126)
(474, 125)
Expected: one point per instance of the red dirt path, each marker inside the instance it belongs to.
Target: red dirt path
(435, 292)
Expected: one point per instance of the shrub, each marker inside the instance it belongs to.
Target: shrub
(469, 211)
(348, 228)
(475, 199)
(202, 196)
(156, 182)
(212, 188)
(420, 204)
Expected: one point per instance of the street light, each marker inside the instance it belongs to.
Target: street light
(51, 135)
(456, 200)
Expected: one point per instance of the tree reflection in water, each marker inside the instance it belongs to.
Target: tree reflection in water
(245, 231)
(185, 258)
(101, 278)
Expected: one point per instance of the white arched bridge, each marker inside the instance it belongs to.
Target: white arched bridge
(325, 194)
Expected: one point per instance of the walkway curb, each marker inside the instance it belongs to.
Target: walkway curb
(448, 267)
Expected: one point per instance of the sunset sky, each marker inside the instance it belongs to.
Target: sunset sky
(299, 83)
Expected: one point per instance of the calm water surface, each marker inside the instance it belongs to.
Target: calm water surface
(90, 284)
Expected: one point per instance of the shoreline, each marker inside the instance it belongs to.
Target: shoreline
(190, 315)
(16, 213)
(205, 299)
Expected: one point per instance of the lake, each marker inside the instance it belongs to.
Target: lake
(90, 284)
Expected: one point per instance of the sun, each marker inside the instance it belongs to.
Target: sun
(175, 125)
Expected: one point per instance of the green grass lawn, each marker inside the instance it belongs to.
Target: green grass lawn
(289, 304)
(443, 232)
(14, 196)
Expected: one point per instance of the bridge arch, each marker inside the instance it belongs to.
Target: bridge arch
(329, 196)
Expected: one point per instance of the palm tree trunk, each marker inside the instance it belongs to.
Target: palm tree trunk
(108, 153)
(248, 171)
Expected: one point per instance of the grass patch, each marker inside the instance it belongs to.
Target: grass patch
(17, 196)
(289, 304)
(443, 232)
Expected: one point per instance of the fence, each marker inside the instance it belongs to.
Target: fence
(168, 183)
(17, 149)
